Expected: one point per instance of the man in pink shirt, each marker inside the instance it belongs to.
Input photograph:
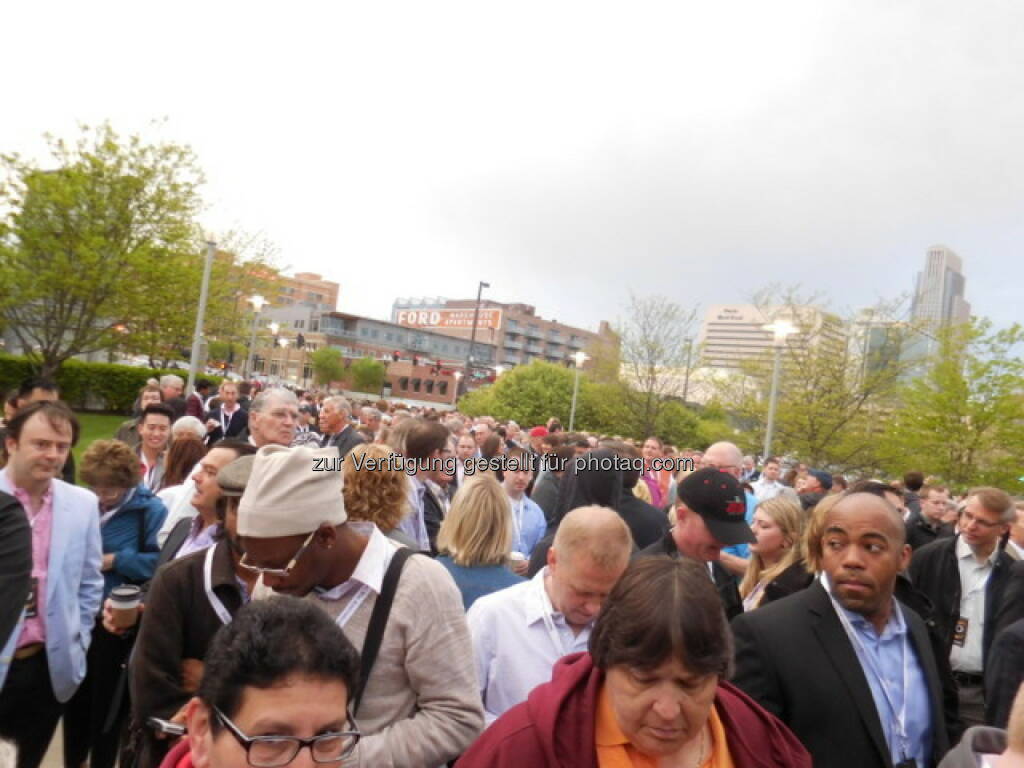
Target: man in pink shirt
(43, 660)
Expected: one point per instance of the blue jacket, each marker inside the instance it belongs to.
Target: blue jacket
(131, 535)
(74, 587)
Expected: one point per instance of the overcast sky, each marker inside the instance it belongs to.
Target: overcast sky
(568, 153)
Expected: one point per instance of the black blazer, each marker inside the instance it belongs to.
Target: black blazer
(794, 658)
(344, 441)
(1012, 608)
(239, 423)
(1004, 674)
(15, 563)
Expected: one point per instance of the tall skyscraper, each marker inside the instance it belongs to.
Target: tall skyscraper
(939, 294)
(938, 302)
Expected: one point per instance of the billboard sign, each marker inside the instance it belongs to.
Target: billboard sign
(448, 319)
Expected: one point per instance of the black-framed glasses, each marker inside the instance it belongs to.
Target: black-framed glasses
(279, 751)
(281, 572)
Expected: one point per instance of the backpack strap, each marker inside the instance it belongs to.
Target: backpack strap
(378, 621)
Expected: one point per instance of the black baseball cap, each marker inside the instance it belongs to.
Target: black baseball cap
(718, 498)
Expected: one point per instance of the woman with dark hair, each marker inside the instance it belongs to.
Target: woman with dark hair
(651, 691)
(592, 480)
(278, 680)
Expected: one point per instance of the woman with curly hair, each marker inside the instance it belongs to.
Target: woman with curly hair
(376, 495)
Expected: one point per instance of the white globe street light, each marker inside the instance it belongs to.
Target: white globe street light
(781, 329)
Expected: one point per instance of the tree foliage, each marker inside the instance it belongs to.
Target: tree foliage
(367, 374)
(833, 392)
(84, 243)
(327, 365)
(963, 420)
(656, 355)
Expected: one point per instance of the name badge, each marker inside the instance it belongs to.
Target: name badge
(960, 632)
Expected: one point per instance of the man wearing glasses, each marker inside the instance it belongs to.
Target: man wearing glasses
(421, 706)
(278, 682)
(965, 577)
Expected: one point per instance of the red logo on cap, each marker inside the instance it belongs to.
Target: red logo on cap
(736, 508)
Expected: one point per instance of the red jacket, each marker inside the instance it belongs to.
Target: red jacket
(180, 755)
(554, 727)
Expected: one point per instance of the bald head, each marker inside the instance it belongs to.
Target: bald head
(724, 456)
(867, 503)
(597, 532)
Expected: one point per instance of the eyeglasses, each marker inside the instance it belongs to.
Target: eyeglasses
(278, 751)
(966, 518)
(281, 572)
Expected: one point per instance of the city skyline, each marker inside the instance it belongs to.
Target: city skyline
(415, 150)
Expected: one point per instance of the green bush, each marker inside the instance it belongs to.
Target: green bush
(92, 386)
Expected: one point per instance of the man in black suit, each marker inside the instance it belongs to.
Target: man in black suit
(228, 419)
(710, 515)
(964, 577)
(847, 667)
(15, 563)
(1004, 674)
(335, 423)
(926, 525)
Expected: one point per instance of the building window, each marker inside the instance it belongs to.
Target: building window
(314, 325)
(374, 333)
(389, 336)
(416, 385)
(429, 387)
(363, 332)
(403, 383)
(442, 388)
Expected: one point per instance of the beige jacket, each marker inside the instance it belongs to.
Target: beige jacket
(422, 706)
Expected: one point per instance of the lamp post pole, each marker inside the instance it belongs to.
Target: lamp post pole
(197, 336)
(579, 358)
(782, 329)
(257, 302)
(287, 357)
(455, 395)
(472, 336)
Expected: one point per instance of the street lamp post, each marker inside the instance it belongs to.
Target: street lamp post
(258, 302)
(197, 336)
(781, 329)
(455, 396)
(283, 343)
(476, 318)
(579, 358)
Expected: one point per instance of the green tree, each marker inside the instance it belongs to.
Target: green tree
(83, 244)
(833, 395)
(963, 419)
(327, 365)
(657, 357)
(367, 374)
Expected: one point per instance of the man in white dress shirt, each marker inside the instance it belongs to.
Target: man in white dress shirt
(520, 632)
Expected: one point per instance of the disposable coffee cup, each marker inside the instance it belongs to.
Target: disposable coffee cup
(516, 556)
(124, 605)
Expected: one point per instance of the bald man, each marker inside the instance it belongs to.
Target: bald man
(520, 632)
(728, 458)
(843, 663)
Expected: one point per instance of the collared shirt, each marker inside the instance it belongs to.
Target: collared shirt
(973, 580)
(528, 524)
(517, 638)
(412, 524)
(614, 749)
(370, 569)
(152, 474)
(198, 539)
(41, 520)
(885, 654)
(1014, 550)
(766, 489)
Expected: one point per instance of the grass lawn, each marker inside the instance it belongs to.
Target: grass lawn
(95, 426)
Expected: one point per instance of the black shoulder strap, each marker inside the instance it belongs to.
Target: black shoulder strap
(378, 621)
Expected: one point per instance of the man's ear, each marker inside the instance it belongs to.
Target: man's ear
(200, 735)
(905, 557)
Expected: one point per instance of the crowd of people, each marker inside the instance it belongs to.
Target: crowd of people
(243, 573)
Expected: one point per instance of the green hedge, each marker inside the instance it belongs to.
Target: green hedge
(111, 387)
